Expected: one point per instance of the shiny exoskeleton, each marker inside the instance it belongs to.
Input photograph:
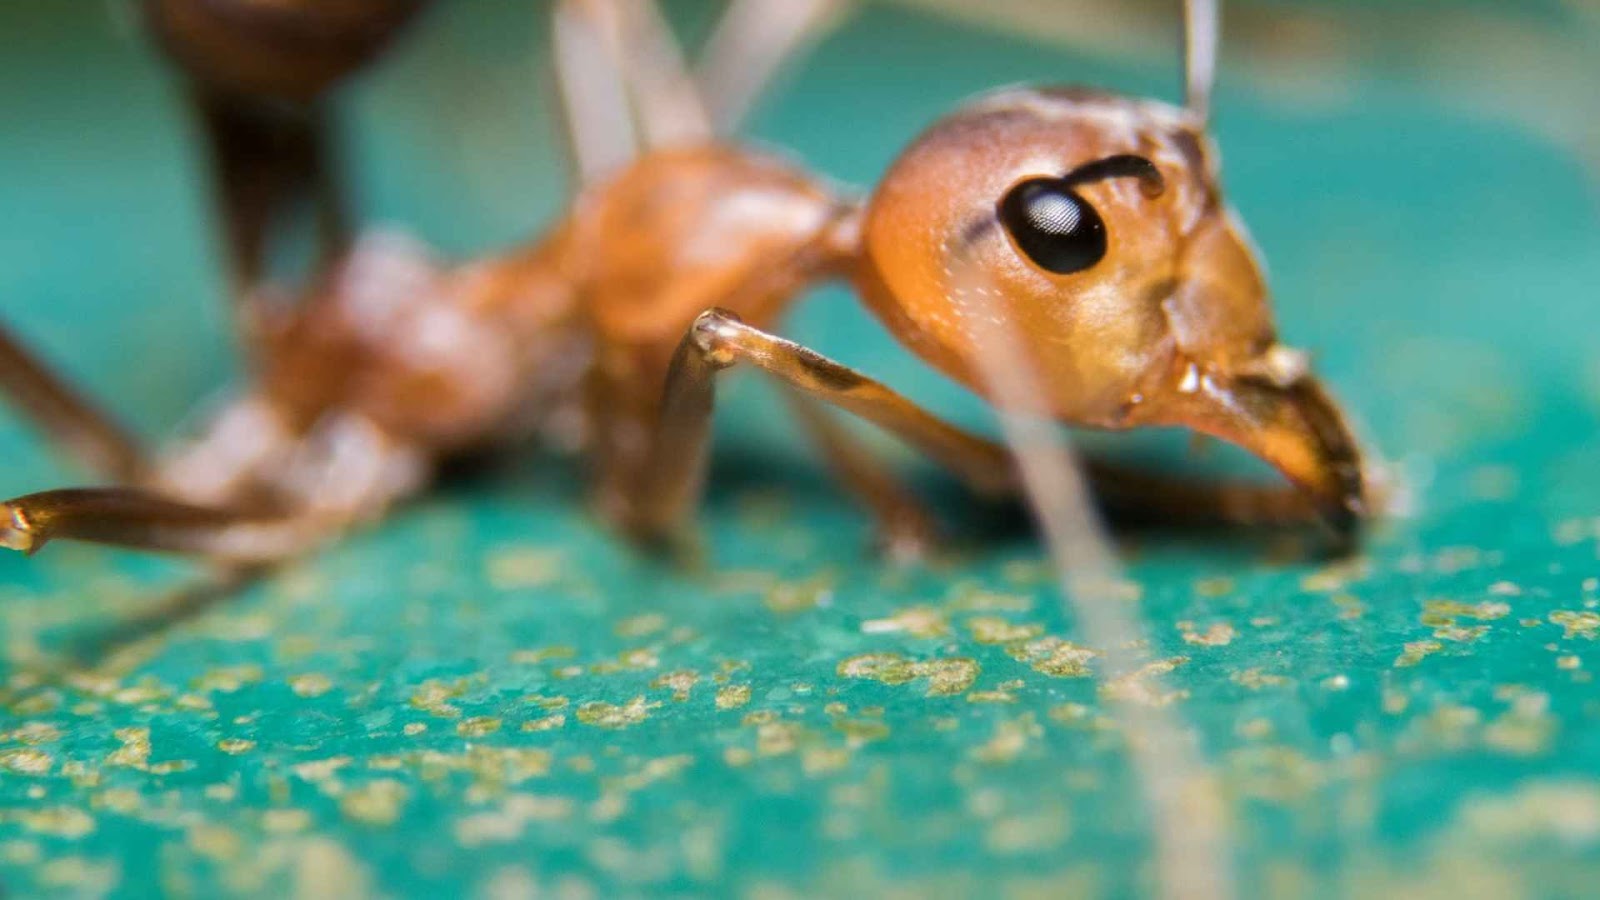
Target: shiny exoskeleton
(1092, 223)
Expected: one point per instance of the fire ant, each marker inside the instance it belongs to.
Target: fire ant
(1092, 222)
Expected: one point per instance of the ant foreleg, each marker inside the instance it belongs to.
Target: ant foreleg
(82, 430)
(674, 470)
(144, 520)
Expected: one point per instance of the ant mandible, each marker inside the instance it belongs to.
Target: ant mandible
(1093, 222)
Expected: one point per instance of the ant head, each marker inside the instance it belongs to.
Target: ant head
(1095, 226)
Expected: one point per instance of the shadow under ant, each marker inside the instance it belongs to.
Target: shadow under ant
(968, 524)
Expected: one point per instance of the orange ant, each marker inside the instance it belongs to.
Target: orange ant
(1094, 222)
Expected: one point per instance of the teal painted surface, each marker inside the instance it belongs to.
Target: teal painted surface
(488, 693)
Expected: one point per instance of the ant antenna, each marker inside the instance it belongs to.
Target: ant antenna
(1202, 26)
(752, 43)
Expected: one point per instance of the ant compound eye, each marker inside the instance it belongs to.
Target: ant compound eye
(1057, 229)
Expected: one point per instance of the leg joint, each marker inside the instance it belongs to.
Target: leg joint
(715, 333)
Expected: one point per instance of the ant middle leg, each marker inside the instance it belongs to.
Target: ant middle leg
(906, 530)
(672, 469)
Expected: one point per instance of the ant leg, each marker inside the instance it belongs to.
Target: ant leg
(751, 44)
(145, 520)
(1149, 495)
(265, 159)
(670, 483)
(93, 437)
(674, 471)
(905, 529)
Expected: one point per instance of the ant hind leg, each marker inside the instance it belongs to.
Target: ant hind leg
(72, 422)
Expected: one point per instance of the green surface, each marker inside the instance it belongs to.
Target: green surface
(488, 693)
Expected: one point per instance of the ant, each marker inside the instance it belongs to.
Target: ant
(1092, 222)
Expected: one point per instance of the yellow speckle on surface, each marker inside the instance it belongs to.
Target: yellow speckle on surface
(1141, 685)
(214, 842)
(375, 803)
(194, 702)
(547, 723)
(947, 676)
(611, 715)
(538, 655)
(991, 697)
(321, 769)
(37, 704)
(228, 679)
(415, 728)
(1220, 634)
(478, 726)
(135, 750)
(777, 738)
(1445, 612)
(1526, 728)
(311, 684)
(1568, 661)
(789, 598)
(27, 761)
(32, 733)
(510, 568)
(285, 821)
(822, 760)
(1350, 606)
(1415, 652)
(1255, 679)
(432, 697)
(861, 731)
(917, 621)
(58, 821)
(510, 820)
(889, 668)
(1582, 624)
(1011, 737)
(971, 597)
(235, 746)
(995, 630)
(640, 626)
(1053, 656)
(1459, 633)
(733, 696)
(680, 683)
(119, 800)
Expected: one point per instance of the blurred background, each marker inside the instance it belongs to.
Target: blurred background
(1423, 178)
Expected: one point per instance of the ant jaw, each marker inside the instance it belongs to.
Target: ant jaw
(1290, 423)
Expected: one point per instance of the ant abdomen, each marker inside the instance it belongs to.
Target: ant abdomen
(285, 50)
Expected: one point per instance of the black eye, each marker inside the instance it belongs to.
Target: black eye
(1054, 226)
